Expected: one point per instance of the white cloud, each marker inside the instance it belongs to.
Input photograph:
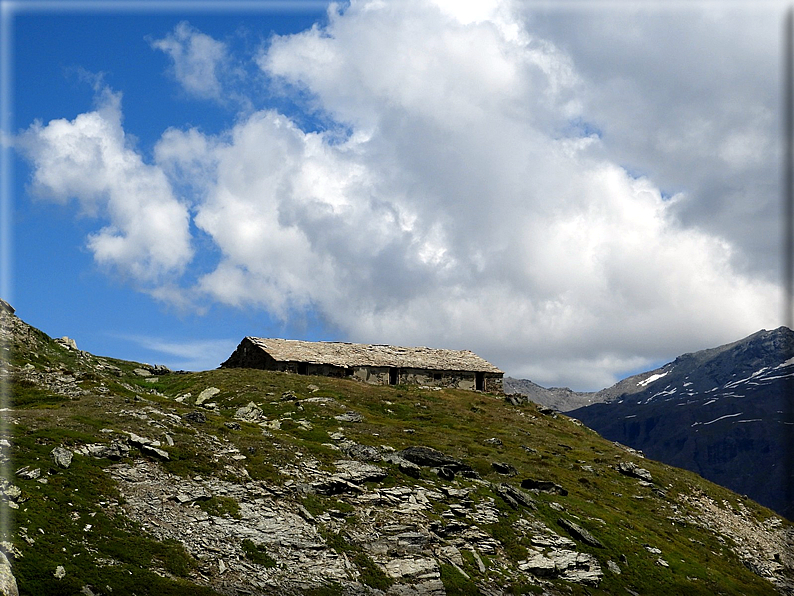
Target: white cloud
(197, 60)
(690, 96)
(457, 212)
(466, 205)
(89, 158)
(200, 354)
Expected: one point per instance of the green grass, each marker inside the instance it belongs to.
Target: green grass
(456, 584)
(26, 394)
(220, 506)
(257, 553)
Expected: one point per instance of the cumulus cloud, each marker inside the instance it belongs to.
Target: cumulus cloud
(464, 195)
(197, 60)
(689, 96)
(90, 159)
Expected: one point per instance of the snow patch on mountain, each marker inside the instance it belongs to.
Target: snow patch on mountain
(652, 378)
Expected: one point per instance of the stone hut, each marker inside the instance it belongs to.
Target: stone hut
(376, 364)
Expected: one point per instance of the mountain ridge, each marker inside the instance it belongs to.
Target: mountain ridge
(564, 399)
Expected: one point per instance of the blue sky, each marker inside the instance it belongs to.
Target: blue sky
(573, 193)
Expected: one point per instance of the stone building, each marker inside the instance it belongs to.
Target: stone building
(376, 364)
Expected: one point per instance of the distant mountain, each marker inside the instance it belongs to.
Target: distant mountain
(559, 398)
(725, 413)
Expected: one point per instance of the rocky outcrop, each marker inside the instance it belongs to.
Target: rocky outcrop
(8, 583)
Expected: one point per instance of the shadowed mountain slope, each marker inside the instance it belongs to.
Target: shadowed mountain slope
(725, 413)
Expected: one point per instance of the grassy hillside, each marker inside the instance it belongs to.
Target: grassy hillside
(302, 492)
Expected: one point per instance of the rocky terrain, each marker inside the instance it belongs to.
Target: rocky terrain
(126, 478)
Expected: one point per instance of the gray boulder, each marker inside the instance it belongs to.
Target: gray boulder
(629, 468)
(545, 486)
(208, 393)
(61, 456)
(8, 583)
(196, 417)
(249, 413)
(580, 533)
(350, 417)
(513, 496)
(504, 468)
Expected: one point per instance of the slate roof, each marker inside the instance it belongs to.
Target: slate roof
(348, 354)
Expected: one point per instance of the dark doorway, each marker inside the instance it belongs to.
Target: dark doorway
(303, 368)
(394, 376)
(479, 381)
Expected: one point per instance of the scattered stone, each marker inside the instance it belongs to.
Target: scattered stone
(197, 417)
(580, 533)
(61, 456)
(613, 567)
(545, 486)
(350, 417)
(26, 472)
(67, 342)
(152, 450)
(60, 572)
(427, 456)
(232, 425)
(495, 441)
(361, 452)
(208, 393)
(8, 583)
(405, 466)
(142, 372)
(504, 468)
(414, 568)
(652, 549)
(513, 496)
(631, 469)
(249, 413)
(359, 472)
(567, 565)
(539, 565)
(9, 491)
(115, 450)
(289, 396)
(312, 388)
(551, 540)
(160, 369)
